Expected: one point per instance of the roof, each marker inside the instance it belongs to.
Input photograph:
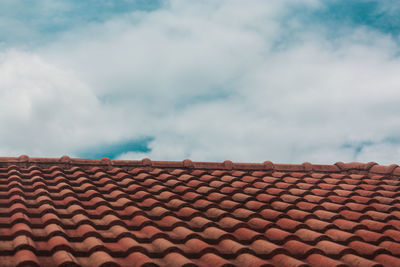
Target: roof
(78, 212)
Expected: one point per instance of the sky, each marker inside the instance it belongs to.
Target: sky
(288, 81)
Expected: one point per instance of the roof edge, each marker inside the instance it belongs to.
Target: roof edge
(370, 167)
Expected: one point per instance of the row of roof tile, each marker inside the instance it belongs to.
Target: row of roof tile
(371, 167)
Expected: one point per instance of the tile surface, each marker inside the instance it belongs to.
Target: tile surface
(76, 212)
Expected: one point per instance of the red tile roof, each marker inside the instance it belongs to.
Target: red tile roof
(77, 212)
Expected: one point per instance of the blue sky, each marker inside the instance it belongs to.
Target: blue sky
(376, 15)
(287, 81)
(28, 22)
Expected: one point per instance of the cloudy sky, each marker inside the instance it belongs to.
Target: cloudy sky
(286, 81)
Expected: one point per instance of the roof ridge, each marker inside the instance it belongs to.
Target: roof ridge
(370, 167)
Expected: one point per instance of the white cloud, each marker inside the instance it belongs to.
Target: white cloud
(44, 110)
(380, 152)
(209, 82)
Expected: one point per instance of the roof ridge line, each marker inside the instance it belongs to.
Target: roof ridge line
(370, 167)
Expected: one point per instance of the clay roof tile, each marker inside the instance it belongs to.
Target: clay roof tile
(81, 212)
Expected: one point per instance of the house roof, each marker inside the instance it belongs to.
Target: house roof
(78, 212)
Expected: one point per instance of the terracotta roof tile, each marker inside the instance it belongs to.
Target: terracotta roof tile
(78, 212)
(322, 260)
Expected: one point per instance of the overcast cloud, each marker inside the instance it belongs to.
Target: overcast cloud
(287, 81)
